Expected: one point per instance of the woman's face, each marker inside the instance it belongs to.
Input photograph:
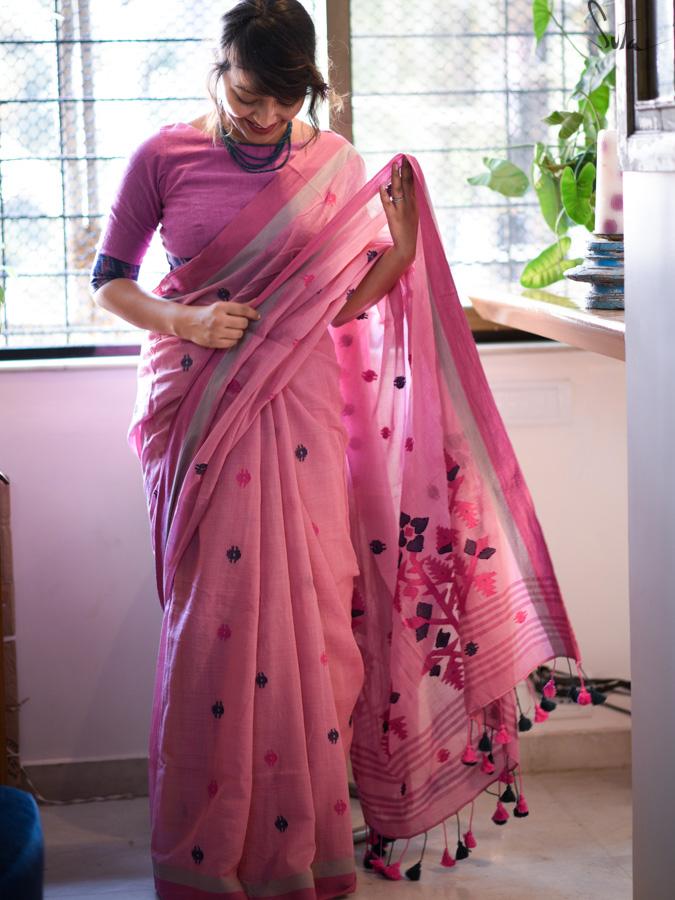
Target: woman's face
(258, 119)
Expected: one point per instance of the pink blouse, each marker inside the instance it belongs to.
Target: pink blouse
(179, 180)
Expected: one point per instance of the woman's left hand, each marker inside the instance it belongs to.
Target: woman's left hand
(401, 210)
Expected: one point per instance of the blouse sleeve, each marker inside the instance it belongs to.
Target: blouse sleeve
(134, 215)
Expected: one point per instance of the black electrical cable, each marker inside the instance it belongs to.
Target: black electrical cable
(620, 686)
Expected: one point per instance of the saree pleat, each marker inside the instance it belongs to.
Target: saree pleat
(348, 558)
(271, 650)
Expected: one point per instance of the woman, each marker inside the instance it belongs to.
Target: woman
(311, 398)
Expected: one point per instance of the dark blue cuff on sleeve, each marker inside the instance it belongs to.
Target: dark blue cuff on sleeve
(106, 268)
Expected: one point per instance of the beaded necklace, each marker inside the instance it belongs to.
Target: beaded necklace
(252, 162)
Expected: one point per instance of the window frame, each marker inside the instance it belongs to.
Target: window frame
(646, 126)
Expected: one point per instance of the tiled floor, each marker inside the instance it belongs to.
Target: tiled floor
(574, 844)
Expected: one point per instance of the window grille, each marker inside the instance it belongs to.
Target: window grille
(84, 83)
(451, 82)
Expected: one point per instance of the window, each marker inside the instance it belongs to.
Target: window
(451, 82)
(445, 80)
(646, 75)
(81, 88)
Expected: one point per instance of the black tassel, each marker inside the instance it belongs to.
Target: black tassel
(573, 693)
(524, 724)
(485, 744)
(508, 796)
(462, 851)
(597, 697)
(547, 705)
(415, 871)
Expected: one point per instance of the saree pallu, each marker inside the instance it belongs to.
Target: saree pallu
(347, 555)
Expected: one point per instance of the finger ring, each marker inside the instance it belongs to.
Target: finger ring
(397, 199)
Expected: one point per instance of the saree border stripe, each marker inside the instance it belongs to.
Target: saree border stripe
(438, 732)
(490, 436)
(532, 593)
(213, 884)
(271, 200)
(447, 722)
(515, 520)
(286, 215)
(216, 884)
(457, 391)
(211, 394)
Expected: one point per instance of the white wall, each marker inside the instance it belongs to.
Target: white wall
(87, 614)
(650, 325)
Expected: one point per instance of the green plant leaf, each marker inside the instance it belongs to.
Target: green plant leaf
(542, 157)
(554, 118)
(596, 70)
(546, 189)
(576, 193)
(2, 295)
(600, 99)
(570, 124)
(590, 127)
(549, 266)
(541, 16)
(502, 176)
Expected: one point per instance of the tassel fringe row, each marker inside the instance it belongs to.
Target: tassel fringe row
(509, 781)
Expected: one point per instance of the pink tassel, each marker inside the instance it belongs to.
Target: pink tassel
(487, 766)
(583, 697)
(506, 776)
(521, 809)
(549, 689)
(393, 871)
(378, 864)
(447, 860)
(540, 715)
(502, 736)
(469, 757)
(500, 814)
(469, 840)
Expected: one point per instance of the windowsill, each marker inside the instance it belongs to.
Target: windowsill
(64, 363)
(131, 362)
(557, 313)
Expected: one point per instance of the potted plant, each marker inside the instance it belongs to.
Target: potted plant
(563, 174)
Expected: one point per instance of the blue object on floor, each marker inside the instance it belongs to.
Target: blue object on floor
(21, 846)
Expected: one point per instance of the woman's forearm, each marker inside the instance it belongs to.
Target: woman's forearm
(377, 282)
(126, 299)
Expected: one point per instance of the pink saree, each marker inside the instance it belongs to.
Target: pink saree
(348, 558)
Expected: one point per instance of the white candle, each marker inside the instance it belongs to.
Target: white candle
(608, 186)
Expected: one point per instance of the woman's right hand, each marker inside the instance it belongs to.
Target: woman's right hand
(219, 325)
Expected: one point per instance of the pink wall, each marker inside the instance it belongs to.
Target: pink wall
(87, 615)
